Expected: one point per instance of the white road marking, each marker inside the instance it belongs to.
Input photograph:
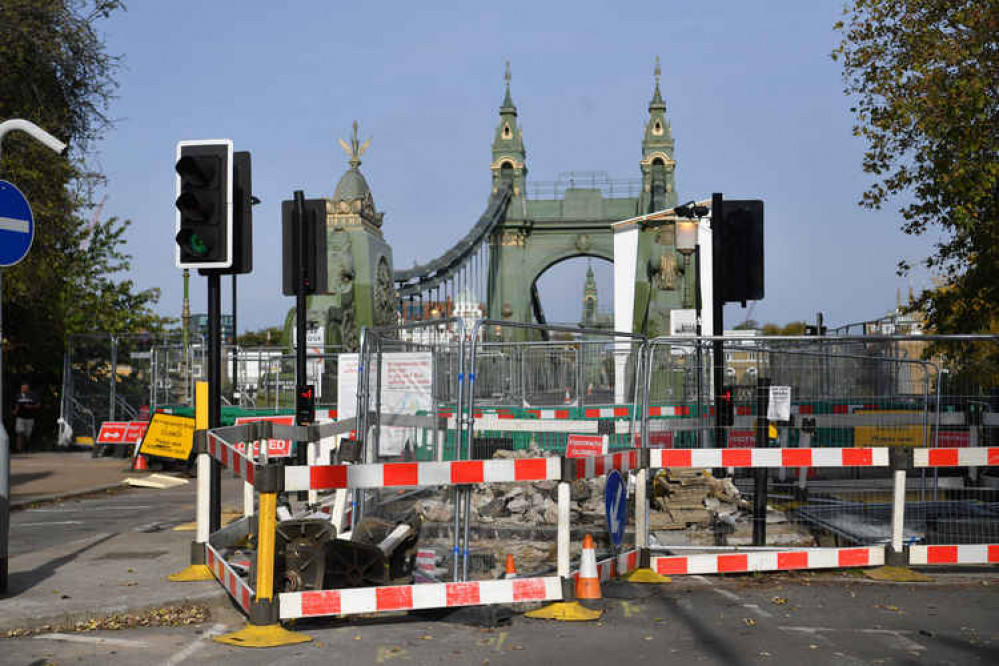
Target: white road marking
(90, 509)
(900, 635)
(182, 655)
(704, 579)
(756, 609)
(98, 640)
(732, 596)
(54, 522)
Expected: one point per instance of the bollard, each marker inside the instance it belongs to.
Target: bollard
(198, 568)
(896, 555)
(264, 628)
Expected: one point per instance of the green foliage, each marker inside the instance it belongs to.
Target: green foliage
(271, 336)
(924, 74)
(793, 328)
(57, 74)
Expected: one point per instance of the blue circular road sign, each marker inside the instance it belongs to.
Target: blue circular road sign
(616, 504)
(17, 225)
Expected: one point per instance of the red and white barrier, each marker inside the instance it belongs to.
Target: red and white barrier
(956, 457)
(391, 475)
(678, 410)
(823, 457)
(977, 553)
(612, 567)
(416, 597)
(229, 456)
(590, 467)
(812, 558)
(233, 583)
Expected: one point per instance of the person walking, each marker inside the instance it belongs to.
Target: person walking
(25, 409)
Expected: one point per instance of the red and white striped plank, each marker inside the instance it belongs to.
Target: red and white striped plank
(590, 467)
(607, 412)
(496, 424)
(416, 597)
(869, 457)
(666, 410)
(231, 581)
(559, 414)
(956, 457)
(392, 475)
(971, 553)
(812, 558)
(227, 454)
(613, 567)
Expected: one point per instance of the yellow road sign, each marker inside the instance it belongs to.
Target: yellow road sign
(169, 436)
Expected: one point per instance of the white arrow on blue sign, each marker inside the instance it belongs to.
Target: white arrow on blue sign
(17, 225)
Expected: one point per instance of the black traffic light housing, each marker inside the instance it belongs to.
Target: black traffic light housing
(742, 251)
(214, 207)
(314, 225)
(204, 204)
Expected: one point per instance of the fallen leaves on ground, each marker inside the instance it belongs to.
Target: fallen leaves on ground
(174, 616)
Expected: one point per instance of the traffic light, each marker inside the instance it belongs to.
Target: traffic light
(242, 214)
(742, 251)
(204, 204)
(314, 227)
(726, 407)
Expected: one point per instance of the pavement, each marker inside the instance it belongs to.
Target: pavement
(54, 475)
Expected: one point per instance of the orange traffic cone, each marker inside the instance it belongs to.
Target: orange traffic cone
(588, 582)
(511, 567)
(140, 463)
(568, 399)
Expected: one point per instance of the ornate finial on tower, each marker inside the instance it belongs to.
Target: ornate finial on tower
(355, 149)
(507, 99)
(657, 98)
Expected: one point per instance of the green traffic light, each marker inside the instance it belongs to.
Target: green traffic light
(197, 245)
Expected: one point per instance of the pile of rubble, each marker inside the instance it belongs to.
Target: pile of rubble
(509, 504)
(692, 507)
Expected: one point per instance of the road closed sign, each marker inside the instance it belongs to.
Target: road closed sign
(169, 436)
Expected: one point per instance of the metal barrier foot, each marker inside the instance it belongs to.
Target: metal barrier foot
(262, 636)
(565, 611)
(646, 575)
(192, 572)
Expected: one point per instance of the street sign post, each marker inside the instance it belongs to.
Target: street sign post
(17, 225)
(616, 505)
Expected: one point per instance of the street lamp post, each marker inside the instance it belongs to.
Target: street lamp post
(686, 244)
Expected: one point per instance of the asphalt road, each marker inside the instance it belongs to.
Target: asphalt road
(127, 510)
(779, 619)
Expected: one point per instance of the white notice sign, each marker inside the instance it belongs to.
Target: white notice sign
(779, 408)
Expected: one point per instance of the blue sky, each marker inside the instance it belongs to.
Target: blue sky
(754, 99)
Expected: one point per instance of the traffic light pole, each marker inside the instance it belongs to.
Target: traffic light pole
(717, 310)
(215, 394)
(301, 282)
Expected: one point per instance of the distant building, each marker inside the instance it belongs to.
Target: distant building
(199, 328)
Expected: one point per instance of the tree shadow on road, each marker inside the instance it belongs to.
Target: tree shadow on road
(26, 477)
(23, 581)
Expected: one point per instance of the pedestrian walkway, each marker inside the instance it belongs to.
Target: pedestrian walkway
(35, 476)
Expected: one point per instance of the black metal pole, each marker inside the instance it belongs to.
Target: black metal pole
(215, 394)
(761, 473)
(300, 239)
(717, 310)
(235, 385)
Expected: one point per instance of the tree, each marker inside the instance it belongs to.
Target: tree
(265, 337)
(793, 328)
(924, 74)
(57, 74)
